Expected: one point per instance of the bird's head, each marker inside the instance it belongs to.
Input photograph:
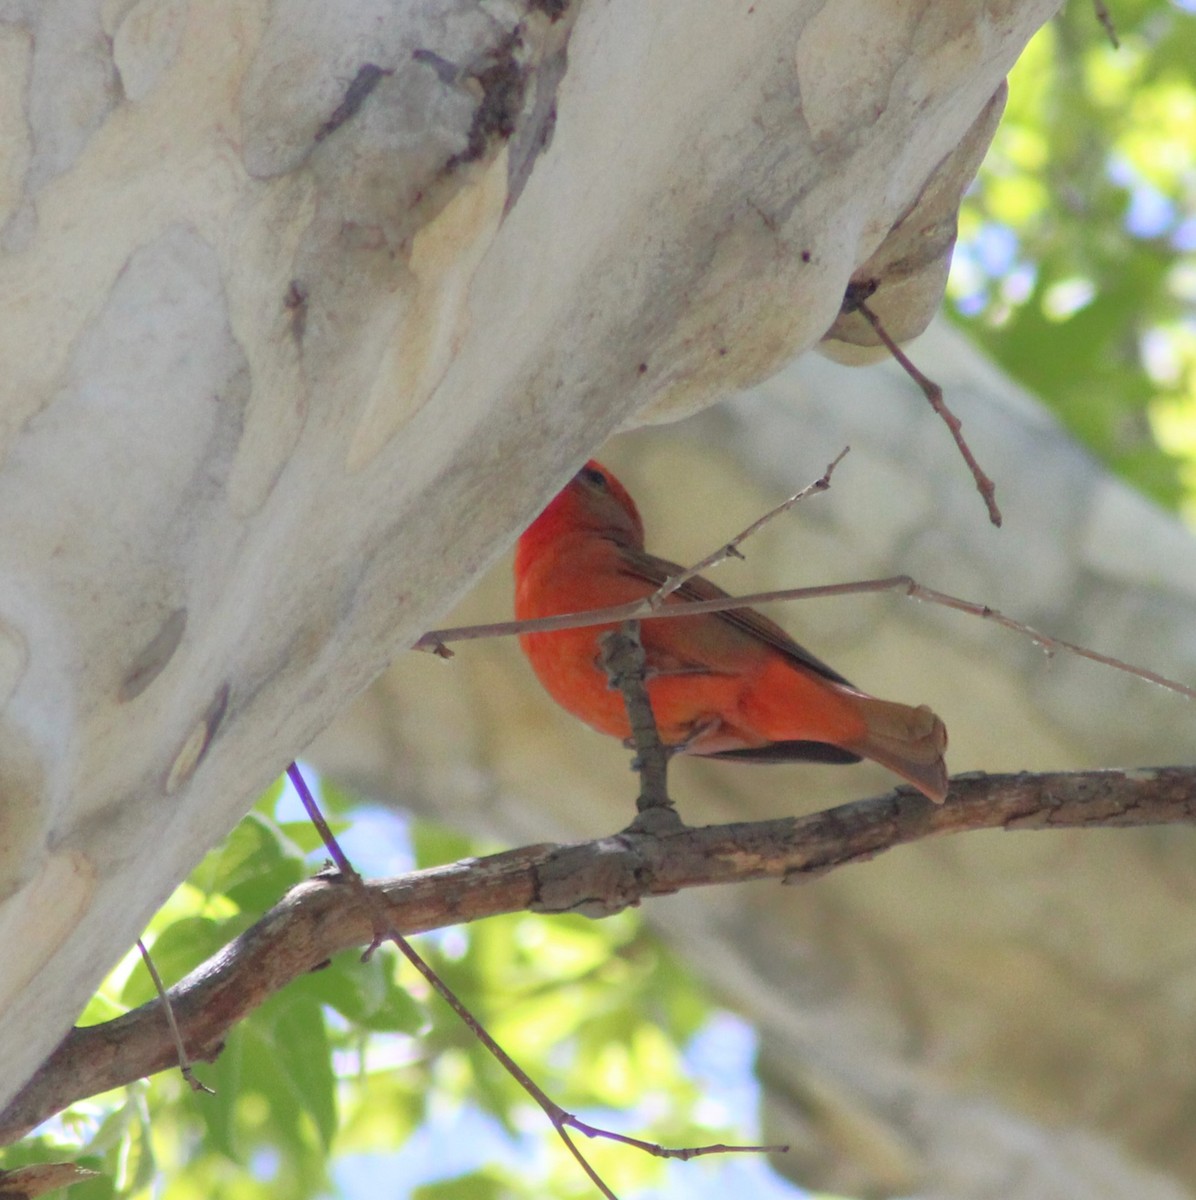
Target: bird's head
(593, 502)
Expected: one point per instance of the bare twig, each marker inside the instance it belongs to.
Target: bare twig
(639, 610)
(731, 548)
(1106, 21)
(383, 928)
(348, 873)
(168, 1009)
(320, 918)
(622, 658)
(856, 300)
(557, 1115)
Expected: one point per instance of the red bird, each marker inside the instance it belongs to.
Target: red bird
(729, 685)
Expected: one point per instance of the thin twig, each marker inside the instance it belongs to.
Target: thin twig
(348, 872)
(623, 659)
(856, 300)
(731, 549)
(1106, 20)
(557, 1115)
(1043, 640)
(184, 1062)
(893, 583)
(316, 817)
(560, 1118)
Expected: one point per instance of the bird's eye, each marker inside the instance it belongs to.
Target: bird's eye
(594, 476)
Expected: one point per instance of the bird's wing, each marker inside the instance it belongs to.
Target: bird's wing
(657, 571)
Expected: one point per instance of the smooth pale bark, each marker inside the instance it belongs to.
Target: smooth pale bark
(305, 308)
(987, 1015)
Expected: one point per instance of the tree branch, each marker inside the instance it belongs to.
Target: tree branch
(731, 549)
(623, 659)
(855, 300)
(322, 917)
(641, 610)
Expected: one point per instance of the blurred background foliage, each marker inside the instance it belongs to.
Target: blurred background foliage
(1076, 263)
(1076, 271)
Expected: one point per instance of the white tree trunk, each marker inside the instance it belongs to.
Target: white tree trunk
(305, 308)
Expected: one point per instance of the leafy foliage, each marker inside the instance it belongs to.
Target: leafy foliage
(338, 1076)
(1076, 267)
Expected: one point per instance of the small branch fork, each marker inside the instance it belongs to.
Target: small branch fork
(184, 1062)
(625, 663)
(856, 300)
(731, 549)
(384, 930)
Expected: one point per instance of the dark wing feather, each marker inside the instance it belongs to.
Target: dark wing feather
(657, 571)
(782, 752)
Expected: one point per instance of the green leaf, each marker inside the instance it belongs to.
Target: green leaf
(364, 993)
(477, 1185)
(304, 1060)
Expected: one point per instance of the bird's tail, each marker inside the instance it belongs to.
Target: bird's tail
(909, 741)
